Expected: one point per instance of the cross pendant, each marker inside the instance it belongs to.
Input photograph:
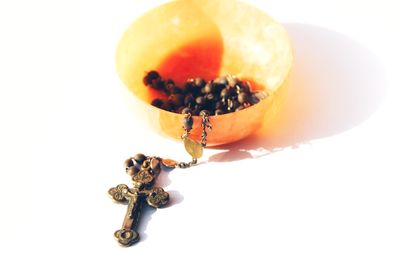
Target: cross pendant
(142, 192)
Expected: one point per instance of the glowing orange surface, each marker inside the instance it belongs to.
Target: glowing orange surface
(207, 38)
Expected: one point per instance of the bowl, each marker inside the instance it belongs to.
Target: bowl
(207, 38)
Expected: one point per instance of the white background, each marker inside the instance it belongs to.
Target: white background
(322, 189)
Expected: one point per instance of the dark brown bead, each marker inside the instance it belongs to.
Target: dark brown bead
(176, 90)
(239, 108)
(139, 158)
(219, 112)
(200, 100)
(158, 84)
(254, 99)
(221, 80)
(243, 98)
(242, 87)
(169, 82)
(157, 102)
(167, 105)
(180, 110)
(155, 165)
(210, 97)
(189, 87)
(210, 106)
(128, 163)
(132, 171)
(188, 123)
(220, 105)
(167, 92)
(150, 77)
(217, 87)
(225, 94)
(186, 110)
(199, 82)
(203, 91)
(233, 104)
(232, 92)
(196, 110)
(232, 81)
(208, 88)
(176, 100)
(169, 88)
(189, 100)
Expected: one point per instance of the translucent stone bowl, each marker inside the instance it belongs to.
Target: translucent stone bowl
(207, 38)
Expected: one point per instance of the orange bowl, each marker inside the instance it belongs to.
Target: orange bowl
(207, 38)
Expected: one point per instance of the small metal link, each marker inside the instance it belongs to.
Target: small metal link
(205, 124)
(185, 165)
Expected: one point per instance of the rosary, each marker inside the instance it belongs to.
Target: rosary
(186, 41)
(197, 98)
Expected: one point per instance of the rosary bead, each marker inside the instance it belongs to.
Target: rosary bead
(169, 83)
(176, 100)
(167, 105)
(128, 163)
(242, 98)
(190, 87)
(189, 100)
(155, 165)
(220, 105)
(200, 100)
(221, 80)
(139, 158)
(208, 88)
(254, 99)
(210, 97)
(196, 110)
(233, 104)
(239, 108)
(188, 123)
(219, 112)
(150, 77)
(176, 90)
(169, 87)
(186, 110)
(157, 103)
(242, 87)
(179, 110)
(224, 94)
(203, 91)
(232, 81)
(132, 171)
(199, 82)
(158, 84)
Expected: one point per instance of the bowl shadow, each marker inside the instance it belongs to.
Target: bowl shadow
(335, 84)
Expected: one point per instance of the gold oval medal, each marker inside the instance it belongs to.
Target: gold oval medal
(194, 148)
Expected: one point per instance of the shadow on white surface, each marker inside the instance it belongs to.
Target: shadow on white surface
(335, 85)
(147, 212)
